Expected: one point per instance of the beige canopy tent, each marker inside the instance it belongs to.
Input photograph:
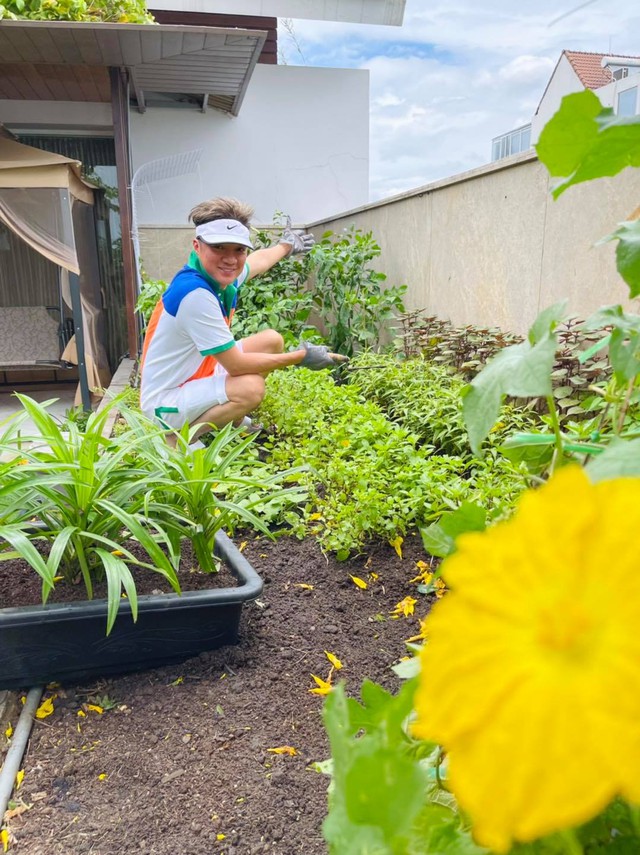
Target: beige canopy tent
(46, 203)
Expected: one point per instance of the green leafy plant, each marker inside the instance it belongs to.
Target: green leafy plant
(113, 11)
(279, 299)
(349, 295)
(366, 476)
(424, 397)
(195, 493)
(386, 794)
(88, 500)
(150, 292)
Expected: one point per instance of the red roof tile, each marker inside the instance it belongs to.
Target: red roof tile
(588, 67)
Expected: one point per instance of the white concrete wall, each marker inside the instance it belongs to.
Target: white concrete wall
(564, 80)
(491, 247)
(300, 145)
(609, 94)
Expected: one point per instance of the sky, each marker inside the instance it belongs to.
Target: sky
(456, 74)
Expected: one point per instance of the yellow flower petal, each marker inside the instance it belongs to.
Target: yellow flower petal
(322, 687)
(304, 586)
(4, 839)
(404, 607)
(397, 545)
(46, 708)
(9, 732)
(531, 677)
(19, 778)
(359, 582)
(337, 664)
(95, 708)
(283, 749)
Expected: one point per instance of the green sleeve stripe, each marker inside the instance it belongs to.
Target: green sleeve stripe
(221, 349)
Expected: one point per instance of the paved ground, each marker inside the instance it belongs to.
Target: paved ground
(9, 404)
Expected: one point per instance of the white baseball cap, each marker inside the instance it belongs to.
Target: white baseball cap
(224, 231)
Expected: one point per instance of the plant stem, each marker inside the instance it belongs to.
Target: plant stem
(625, 405)
(572, 844)
(634, 813)
(555, 423)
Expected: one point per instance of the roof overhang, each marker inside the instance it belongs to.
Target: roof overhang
(389, 12)
(61, 61)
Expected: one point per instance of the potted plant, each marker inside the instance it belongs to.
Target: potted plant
(86, 499)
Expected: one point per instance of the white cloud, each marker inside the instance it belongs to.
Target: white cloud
(458, 73)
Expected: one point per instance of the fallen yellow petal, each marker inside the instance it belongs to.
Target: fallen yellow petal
(45, 709)
(322, 687)
(283, 749)
(102, 776)
(19, 778)
(82, 713)
(359, 582)
(314, 517)
(95, 708)
(220, 836)
(117, 552)
(337, 664)
(304, 586)
(9, 732)
(4, 839)
(397, 545)
(404, 607)
(242, 546)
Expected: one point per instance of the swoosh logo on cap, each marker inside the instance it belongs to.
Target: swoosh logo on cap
(230, 227)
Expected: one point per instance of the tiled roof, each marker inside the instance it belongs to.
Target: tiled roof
(588, 67)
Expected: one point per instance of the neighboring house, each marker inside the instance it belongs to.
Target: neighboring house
(193, 107)
(614, 79)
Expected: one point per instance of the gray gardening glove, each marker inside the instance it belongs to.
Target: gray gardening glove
(317, 356)
(299, 241)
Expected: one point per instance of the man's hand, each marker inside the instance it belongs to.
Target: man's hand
(317, 356)
(299, 241)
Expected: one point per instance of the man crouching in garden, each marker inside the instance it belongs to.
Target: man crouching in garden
(193, 370)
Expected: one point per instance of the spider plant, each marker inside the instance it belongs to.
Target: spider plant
(87, 498)
(189, 487)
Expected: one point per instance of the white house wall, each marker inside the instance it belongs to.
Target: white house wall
(609, 94)
(564, 80)
(300, 146)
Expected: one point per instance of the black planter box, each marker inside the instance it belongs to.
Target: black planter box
(67, 643)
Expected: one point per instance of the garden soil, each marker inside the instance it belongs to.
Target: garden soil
(181, 759)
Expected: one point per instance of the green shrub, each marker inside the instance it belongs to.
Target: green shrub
(368, 477)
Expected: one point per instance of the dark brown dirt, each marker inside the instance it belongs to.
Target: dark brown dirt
(180, 762)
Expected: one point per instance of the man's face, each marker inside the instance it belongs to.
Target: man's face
(223, 261)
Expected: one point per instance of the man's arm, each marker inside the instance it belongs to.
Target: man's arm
(235, 362)
(264, 259)
(313, 356)
(291, 243)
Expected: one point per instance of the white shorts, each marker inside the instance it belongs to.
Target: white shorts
(193, 399)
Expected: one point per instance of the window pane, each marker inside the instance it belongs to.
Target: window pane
(627, 102)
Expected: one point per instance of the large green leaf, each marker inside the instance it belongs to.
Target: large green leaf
(628, 254)
(521, 370)
(583, 141)
(621, 459)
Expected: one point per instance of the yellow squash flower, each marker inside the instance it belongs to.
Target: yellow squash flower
(531, 677)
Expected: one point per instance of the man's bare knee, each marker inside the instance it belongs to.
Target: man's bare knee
(246, 390)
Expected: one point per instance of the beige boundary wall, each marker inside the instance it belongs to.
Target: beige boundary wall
(487, 247)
